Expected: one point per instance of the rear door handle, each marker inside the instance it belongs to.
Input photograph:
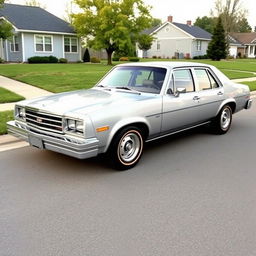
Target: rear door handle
(220, 93)
(196, 98)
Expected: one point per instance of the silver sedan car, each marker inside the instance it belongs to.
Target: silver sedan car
(131, 105)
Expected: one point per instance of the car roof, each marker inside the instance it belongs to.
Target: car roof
(166, 64)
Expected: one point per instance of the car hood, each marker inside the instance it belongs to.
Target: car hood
(84, 101)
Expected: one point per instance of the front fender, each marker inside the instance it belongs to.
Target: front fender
(121, 124)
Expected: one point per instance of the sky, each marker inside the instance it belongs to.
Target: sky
(181, 10)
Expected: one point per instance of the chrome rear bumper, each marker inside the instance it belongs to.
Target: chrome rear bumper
(76, 147)
(248, 104)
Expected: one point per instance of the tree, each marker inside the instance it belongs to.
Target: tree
(145, 42)
(156, 22)
(231, 12)
(243, 26)
(86, 57)
(111, 25)
(206, 23)
(218, 47)
(5, 27)
(35, 3)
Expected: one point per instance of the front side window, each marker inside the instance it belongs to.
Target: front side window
(70, 44)
(14, 44)
(43, 43)
(183, 79)
(142, 79)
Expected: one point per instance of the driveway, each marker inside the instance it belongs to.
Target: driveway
(191, 194)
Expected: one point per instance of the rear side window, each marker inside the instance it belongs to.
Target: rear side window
(183, 79)
(203, 79)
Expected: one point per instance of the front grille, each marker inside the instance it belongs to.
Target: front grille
(44, 121)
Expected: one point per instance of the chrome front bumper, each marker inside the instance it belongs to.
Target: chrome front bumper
(76, 147)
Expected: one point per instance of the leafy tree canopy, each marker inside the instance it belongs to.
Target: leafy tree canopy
(5, 27)
(206, 23)
(243, 26)
(218, 47)
(111, 25)
(145, 42)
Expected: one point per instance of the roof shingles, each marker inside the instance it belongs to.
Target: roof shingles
(34, 18)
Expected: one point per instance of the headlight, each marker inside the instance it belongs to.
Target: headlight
(75, 126)
(20, 112)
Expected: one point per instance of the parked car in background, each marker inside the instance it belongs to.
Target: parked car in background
(131, 105)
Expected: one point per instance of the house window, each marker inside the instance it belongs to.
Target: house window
(158, 45)
(198, 45)
(43, 43)
(14, 44)
(70, 44)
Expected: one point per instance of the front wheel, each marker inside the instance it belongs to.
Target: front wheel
(221, 124)
(126, 148)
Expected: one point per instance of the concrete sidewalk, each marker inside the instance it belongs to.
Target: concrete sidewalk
(25, 90)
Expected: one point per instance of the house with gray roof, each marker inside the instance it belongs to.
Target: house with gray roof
(178, 40)
(37, 33)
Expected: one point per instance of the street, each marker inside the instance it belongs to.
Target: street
(191, 194)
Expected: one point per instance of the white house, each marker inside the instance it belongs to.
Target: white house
(178, 40)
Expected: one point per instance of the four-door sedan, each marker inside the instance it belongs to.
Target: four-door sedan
(132, 104)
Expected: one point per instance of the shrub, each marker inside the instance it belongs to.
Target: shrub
(174, 57)
(43, 59)
(1, 60)
(95, 60)
(124, 59)
(154, 57)
(86, 57)
(115, 58)
(200, 57)
(134, 59)
(53, 59)
(63, 60)
(159, 57)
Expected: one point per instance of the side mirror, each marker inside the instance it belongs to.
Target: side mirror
(179, 91)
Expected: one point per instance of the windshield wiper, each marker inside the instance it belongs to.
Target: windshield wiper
(127, 88)
(124, 88)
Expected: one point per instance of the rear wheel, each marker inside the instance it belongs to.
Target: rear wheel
(126, 148)
(221, 124)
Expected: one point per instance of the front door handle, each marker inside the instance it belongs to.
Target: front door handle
(196, 98)
(220, 93)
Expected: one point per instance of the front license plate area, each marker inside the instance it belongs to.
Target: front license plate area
(36, 142)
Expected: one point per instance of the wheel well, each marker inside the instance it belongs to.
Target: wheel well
(233, 106)
(143, 127)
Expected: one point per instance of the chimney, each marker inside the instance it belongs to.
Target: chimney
(169, 18)
(189, 23)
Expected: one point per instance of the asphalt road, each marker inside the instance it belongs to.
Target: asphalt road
(191, 194)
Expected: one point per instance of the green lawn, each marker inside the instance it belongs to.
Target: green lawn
(8, 96)
(5, 117)
(56, 77)
(67, 77)
(252, 85)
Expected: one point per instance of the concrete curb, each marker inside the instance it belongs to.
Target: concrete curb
(8, 142)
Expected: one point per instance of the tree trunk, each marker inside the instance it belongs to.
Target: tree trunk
(109, 52)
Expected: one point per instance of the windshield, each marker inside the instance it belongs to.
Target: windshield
(142, 79)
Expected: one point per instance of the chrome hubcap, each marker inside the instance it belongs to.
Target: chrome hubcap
(225, 119)
(129, 147)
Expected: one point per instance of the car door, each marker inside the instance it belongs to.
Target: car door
(180, 111)
(210, 93)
